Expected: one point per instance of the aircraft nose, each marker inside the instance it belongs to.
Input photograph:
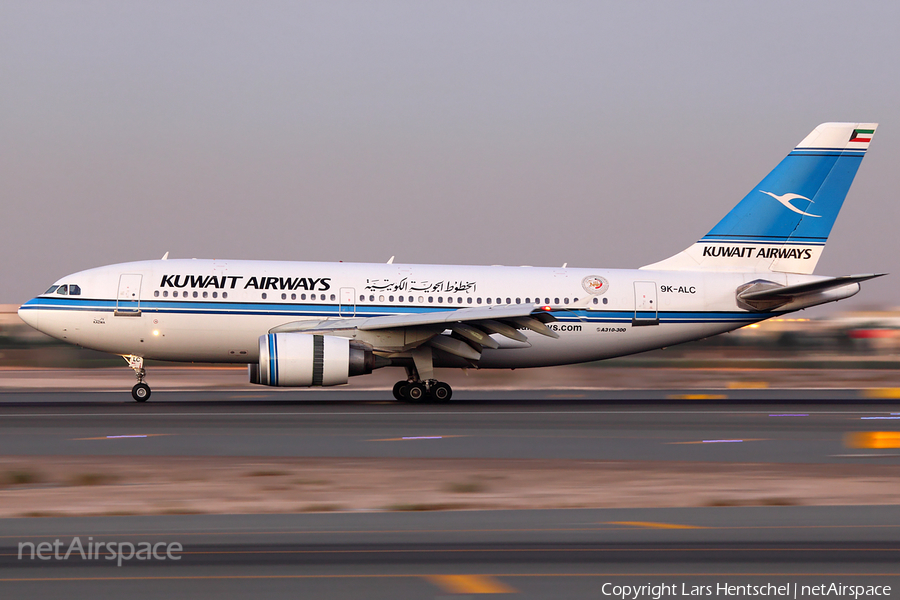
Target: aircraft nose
(30, 316)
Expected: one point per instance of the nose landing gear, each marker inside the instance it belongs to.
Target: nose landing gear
(141, 391)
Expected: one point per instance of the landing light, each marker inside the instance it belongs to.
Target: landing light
(156, 332)
(546, 308)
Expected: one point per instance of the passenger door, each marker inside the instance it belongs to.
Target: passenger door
(128, 300)
(646, 311)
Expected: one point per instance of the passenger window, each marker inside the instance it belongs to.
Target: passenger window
(440, 299)
(488, 300)
(430, 299)
(156, 294)
(381, 298)
(74, 290)
(215, 294)
(390, 298)
(499, 301)
(469, 299)
(546, 300)
(175, 293)
(565, 300)
(63, 290)
(166, 294)
(224, 294)
(362, 298)
(303, 296)
(518, 301)
(527, 300)
(509, 300)
(263, 295)
(401, 298)
(52, 289)
(371, 298)
(283, 296)
(596, 301)
(479, 301)
(195, 294)
(293, 296)
(332, 297)
(605, 300)
(556, 301)
(421, 299)
(205, 294)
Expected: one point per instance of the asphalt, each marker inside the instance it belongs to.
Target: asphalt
(451, 554)
(771, 426)
(534, 554)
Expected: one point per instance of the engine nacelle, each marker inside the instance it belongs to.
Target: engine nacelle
(304, 360)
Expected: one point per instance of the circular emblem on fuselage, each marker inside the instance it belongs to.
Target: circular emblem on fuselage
(595, 284)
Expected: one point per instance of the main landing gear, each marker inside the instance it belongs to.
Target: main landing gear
(422, 391)
(141, 391)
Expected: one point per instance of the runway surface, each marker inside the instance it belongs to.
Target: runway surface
(769, 426)
(449, 554)
(535, 554)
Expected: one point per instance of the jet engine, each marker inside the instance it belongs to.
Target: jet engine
(305, 360)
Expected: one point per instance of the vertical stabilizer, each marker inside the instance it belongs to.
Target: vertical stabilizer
(783, 224)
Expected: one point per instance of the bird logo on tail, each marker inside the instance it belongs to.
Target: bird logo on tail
(785, 200)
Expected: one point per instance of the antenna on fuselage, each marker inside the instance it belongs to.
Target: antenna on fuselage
(165, 256)
(390, 260)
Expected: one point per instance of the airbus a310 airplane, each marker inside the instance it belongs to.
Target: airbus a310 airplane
(302, 324)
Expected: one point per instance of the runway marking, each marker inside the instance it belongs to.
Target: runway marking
(697, 397)
(654, 525)
(879, 418)
(470, 584)
(884, 393)
(417, 437)
(433, 531)
(391, 413)
(567, 396)
(791, 415)
(863, 455)
(874, 440)
(119, 437)
(720, 441)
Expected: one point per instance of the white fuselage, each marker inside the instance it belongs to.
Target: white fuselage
(216, 310)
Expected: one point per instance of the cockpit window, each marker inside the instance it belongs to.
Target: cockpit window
(63, 290)
(74, 290)
(52, 289)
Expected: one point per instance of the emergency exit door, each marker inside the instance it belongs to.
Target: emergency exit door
(646, 311)
(347, 307)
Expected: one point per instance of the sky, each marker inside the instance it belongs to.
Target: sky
(598, 134)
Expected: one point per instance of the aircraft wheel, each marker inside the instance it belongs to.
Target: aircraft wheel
(415, 392)
(400, 391)
(140, 392)
(441, 392)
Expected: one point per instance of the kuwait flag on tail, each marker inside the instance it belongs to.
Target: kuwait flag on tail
(862, 135)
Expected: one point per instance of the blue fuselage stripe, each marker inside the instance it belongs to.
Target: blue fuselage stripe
(333, 310)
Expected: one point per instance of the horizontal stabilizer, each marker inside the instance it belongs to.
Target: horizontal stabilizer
(802, 289)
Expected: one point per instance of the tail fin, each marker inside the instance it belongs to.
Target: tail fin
(783, 224)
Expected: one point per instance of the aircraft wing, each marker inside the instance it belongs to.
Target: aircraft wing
(471, 328)
(793, 291)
